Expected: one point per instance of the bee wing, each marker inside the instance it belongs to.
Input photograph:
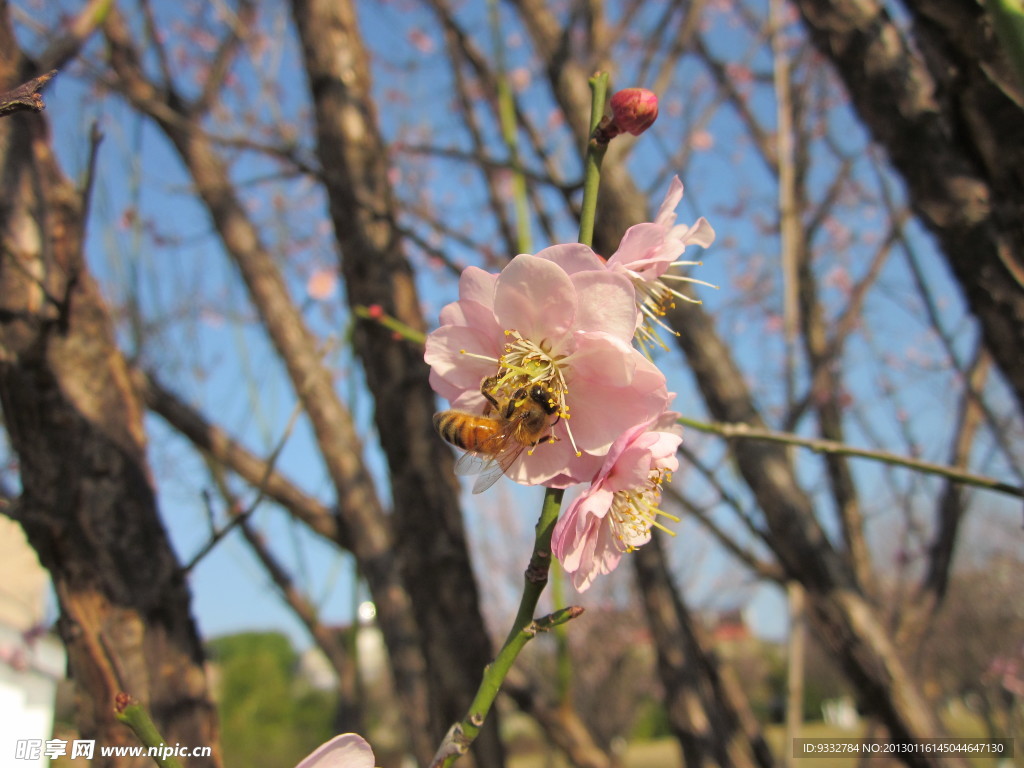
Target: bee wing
(488, 476)
(497, 455)
(498, 466)
(471, 463)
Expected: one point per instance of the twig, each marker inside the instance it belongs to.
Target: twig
(745, 431)
(135, 716)
(25, 97)
(261, 493)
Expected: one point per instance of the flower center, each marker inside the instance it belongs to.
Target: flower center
(525, 363)
(635, 511)
(654, 299)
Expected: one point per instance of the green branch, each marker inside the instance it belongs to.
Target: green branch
(594, 158)
(746, 432)
(134, 715)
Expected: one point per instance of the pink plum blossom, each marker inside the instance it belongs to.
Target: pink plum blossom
(616, 512)
(561, 319)
(349, 750)
(648, 250)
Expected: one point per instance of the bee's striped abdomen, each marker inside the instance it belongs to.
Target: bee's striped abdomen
(464, 430)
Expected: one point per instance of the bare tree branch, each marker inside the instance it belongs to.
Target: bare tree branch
(26, 97)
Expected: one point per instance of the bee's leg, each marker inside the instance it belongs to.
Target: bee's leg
(517, 399)
(487, 387)
(546, 439)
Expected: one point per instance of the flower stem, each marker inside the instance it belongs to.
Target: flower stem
(134, 715)
(524, 629)
(594, 158)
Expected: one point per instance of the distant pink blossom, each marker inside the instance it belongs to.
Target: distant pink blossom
(616, 513)
(562, 320)
(349, 750)
(421, 41)
(322, 284)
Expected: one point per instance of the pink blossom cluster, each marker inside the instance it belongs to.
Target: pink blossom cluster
(566, 319)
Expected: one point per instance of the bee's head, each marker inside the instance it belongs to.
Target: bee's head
(543, 397)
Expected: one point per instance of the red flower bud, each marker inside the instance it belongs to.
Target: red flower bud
(634, 110)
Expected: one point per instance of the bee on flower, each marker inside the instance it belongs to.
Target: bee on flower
(562, 321)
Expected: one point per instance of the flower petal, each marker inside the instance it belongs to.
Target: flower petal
(535, 297)
(666, 213)
(601, 413)
(573, 257)
(477, 285)
(447, 363)
(606, 302)
(701, 233)
(349, 750)
(600, 358)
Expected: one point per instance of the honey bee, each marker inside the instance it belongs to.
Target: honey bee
(495, 440)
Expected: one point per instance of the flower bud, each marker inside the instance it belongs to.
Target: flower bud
(634, 110)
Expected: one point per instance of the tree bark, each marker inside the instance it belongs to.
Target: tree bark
(87, 504)
(707, 708)
(428, 524)
(948, 111)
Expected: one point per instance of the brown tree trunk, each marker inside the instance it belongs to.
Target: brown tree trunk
(707, 708)
(87, 503)
(947, 109)
(428, 525)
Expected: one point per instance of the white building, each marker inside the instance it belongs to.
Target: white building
(31, 661)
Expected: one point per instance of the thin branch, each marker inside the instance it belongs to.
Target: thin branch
(261, 493)
(66, 47)
(762, 568)
(217, 444)
(226, 51)
(26, 97)
(89, 180)
(746, 432)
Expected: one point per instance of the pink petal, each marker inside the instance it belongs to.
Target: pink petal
(601, 413)
(701, 233)
(443, 355)
(535, 297)
(632, 470)
(666, 213)
(606, 302)
(573, 257)
(477, 285)
(640, 243)
(349, 750)
(548, 461)
(600, 358)
(602, 557)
